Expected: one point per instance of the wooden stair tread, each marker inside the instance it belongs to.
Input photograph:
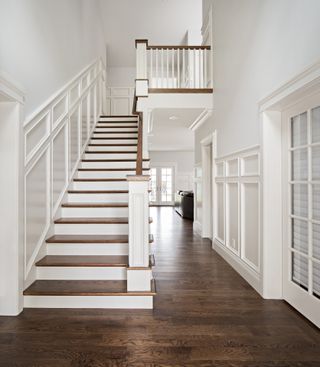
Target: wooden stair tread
(111, 169)
(99, 179)
(112, 145)
(94, 220)
(95, 205)
(84, 261)
(92, 238)
(116, 132)
(114, 138)
(98, 191)
(111, 151)
(116, 127)
(112, 160)
(82, 288)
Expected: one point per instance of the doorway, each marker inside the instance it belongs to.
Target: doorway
(301, 206)
(162, 185)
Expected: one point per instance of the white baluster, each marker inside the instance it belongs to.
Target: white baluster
(157, 68)
(172, 72)
(178, 66)
(162, 67)
(183, 68)
(151, 68)
(167, 51)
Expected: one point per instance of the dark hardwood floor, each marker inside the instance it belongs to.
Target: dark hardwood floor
(205, 315)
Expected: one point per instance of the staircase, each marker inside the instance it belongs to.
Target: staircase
(88, 254)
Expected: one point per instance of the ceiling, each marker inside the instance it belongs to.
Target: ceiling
(160, 21)
(173, 134)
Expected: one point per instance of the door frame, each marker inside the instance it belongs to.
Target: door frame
(174, 166)
(12, 98)
(292, 292)
(271, 108)
(208, 184)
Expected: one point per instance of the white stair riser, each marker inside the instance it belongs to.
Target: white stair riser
(110, 156)
(83, 229)
(87, 249)
(81, 273)
(130, 149)
(116, 129)
(115, 118)
(100, 185)
(94, 212)
(125, 164)
(113, 141)
(117, 124)
(137, 302)
(115, 135)
(106, 174)
(98, 198)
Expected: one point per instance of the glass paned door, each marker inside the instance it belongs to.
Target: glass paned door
(302, 207)
(162, 185)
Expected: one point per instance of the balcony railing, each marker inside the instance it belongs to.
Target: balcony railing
(174, 67)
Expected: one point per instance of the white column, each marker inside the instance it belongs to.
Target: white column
(139, 273)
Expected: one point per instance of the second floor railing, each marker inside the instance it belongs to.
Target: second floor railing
(174, 67)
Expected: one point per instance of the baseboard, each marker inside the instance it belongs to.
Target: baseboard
(239, 266)
(197, 227)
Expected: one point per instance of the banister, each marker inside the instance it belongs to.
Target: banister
(139, 163)
(161, 47)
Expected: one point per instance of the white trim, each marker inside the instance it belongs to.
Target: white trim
(293, 90)
(11, 89)
(56, 95)
(204, 115)
(239, 152)
(252, 277)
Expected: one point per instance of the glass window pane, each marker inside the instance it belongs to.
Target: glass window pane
(299, 233)
(300, 165)
(316, 240)
(299, 130)
(315, 118)
(300, 270)
(316, 163)
(300, 200)
(316, 279)
(316, 202)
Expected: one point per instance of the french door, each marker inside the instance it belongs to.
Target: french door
(162, 185)
(301, 253)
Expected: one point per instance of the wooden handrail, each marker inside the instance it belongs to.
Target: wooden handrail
(178, 47)
(139, 164)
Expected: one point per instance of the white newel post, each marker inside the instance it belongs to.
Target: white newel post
(139, 272)
(141, 82)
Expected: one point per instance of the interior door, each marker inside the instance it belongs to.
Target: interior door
(301, 252)
(162, 185)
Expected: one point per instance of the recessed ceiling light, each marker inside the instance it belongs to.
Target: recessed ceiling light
(173, 118)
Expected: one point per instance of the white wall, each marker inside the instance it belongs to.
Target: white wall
(44, 43)
(184, 162)
(258, 46)
(121, 76)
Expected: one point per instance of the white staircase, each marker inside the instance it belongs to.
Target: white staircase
(88, 256)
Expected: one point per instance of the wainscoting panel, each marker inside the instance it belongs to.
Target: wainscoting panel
(232, 207)
(37, 203)
(119, 100)
(250, 225)
(54, 139)
(59, 165)
(237, 219)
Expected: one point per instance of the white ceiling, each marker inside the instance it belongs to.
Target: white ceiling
(160, 21)
(173, 134)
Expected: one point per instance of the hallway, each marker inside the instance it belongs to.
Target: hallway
(205, 315)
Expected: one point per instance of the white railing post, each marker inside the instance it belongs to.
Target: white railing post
(139, 273)
(142, 84)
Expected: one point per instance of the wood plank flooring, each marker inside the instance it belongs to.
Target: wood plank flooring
(205, 315)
